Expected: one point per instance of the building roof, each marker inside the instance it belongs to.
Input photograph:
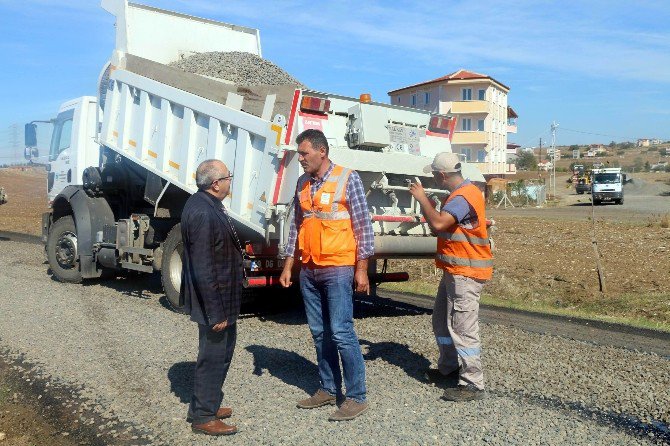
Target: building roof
(511, 113)
(459, 75)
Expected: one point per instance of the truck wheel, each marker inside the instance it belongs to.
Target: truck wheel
(173, 254)
(620, 201)
(62, 250)
(596, 202)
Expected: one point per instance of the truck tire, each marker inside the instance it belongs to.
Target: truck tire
(596, 202)
(62, 250)
(171, 261)
(620, 201)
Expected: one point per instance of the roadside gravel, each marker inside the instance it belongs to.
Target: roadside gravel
(133, 360)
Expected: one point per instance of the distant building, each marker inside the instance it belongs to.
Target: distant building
(643, 142)
(484, 118)
(512, 153)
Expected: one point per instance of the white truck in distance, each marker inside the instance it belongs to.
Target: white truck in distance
(122, 163)
(607, 185)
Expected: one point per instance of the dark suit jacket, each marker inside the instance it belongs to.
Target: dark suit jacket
(212, 270)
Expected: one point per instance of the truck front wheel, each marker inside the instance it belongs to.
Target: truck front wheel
(173, 254)
(62, 250)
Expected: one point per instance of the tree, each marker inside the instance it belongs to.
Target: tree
(647, 166)
(612, 145)
(526, 161)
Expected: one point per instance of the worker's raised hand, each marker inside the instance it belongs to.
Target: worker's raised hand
(416, 189)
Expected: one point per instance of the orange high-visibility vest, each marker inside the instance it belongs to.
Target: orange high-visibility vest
(326, 236)
(466, 252)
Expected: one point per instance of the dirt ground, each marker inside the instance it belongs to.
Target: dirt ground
(26, 200)
(544, 257)
(19, 423)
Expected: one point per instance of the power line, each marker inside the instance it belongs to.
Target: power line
(596, 134)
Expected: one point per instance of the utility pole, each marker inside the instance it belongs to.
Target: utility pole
(539, 172)
(552, 181)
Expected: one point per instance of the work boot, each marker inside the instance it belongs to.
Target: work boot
(464, 393)
(214, 427)
(320, 398)
(436, 377)
(349, 410)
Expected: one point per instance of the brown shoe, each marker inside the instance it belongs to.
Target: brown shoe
(214, 427)
(349, 410)
(224, 412)
(320, 398)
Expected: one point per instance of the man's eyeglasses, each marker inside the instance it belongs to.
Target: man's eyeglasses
(229, 177)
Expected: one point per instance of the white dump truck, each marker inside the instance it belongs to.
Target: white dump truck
(122, 163)
(607, 185)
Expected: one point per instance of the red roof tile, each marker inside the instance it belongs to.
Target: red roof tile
(461, 74)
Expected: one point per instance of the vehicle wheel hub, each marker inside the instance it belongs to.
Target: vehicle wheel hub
(66, 250)
(175, 266)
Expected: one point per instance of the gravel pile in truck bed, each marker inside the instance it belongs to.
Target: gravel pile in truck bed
(238, 67)
(133, 361)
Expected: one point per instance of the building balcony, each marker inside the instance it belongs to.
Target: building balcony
(511, 128)
(465, 107)
(476, 137)
(500, 168)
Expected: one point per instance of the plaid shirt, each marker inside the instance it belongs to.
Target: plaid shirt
(358, 208)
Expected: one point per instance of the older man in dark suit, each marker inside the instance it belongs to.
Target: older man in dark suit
(211, 284)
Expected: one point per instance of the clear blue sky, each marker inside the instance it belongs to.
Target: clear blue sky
(599, 66)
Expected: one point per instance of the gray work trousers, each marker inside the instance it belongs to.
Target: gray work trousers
(456, 328)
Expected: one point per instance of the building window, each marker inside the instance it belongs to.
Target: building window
(413, 100)
(480, 125)
(426, 98)
(466, 152)
(481, 156)
(466, 124)
(467, 94)
(398, 99)
(482, 95)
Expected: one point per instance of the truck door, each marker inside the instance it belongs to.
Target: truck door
(61, 170)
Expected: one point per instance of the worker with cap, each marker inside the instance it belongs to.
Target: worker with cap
(464, 254)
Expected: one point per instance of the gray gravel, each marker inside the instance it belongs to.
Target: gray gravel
(133, 360)
(238, 67)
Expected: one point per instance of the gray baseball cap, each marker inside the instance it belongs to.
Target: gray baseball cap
(444, 162)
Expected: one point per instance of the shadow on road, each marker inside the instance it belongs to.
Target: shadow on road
(399, 355)
(181, 380)
(290, 367)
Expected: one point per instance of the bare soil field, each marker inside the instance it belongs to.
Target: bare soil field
(27, 199)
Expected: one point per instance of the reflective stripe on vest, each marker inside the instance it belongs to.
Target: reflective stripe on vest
(463, 238)
(460, 261)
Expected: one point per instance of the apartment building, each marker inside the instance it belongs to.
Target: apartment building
(484, 118)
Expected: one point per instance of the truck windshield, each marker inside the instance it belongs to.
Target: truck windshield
(607, 178)
(62, 134)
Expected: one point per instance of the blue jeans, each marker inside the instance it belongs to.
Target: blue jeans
(328, 296)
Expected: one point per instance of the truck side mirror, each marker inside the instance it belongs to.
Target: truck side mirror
(30, 135)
